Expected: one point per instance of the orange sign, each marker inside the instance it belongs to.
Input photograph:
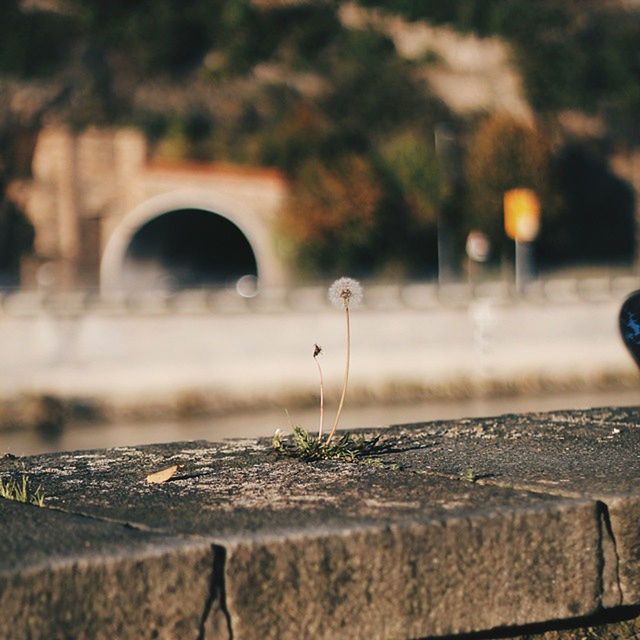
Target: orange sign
(521, 214)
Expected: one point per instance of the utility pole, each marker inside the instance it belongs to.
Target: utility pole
(444, 141)
(521, 224)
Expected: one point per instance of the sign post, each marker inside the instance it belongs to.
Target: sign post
(522, 224)
(478, 249)
(444, 141)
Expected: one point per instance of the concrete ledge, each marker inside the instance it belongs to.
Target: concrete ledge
(67, 576)
(460, 527)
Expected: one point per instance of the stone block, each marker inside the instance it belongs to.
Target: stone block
(67, 576)
(591, 454)
(441, 577)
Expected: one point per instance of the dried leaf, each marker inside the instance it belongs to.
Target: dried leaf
(162, 476)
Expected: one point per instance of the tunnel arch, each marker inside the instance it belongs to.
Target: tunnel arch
(118, 250)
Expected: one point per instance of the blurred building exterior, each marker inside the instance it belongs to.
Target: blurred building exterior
(92, 191)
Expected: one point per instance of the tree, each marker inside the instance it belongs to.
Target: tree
(332, 215)
(503, 153)
(413, 166)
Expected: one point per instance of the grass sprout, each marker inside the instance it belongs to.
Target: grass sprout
(470, 475)
(305, 446)
(22, 491)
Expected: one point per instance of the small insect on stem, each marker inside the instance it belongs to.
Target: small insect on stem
(316, 352)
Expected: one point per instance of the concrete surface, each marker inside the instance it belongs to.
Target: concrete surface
(67, 576)
(455, 527)
(588, 454)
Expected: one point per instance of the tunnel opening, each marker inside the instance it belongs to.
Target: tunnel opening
(186, 249)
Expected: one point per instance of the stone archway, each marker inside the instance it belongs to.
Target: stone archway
(187, 239)
(186, 249)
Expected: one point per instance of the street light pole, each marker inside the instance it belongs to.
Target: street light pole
(521, 224)
(523, 265)
(444, 140)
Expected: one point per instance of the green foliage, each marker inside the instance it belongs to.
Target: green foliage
(358, 192)
(34, 44)
(307, 447)
(22, 491)
(360, 212)
(413, 165)
(287, 140)
(347, 119)
(332, 214)
(372, 89)
(148, 36)
(588, 62)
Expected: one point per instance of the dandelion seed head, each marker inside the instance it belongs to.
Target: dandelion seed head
(345, 293)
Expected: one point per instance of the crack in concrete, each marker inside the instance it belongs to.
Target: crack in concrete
(217, 596)
(137, 526)
(90, 516)
(217, 584)
(610, 567)
(603, 616)
(610, 594)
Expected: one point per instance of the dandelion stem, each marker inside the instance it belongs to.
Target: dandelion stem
(321, 399)
(346, 377)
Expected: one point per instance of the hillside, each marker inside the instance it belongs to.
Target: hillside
(348, 100)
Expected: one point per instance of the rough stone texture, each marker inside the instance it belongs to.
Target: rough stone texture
(441, 577)
(589, 454)
(457, 527)
(348, 550)
(67, 576)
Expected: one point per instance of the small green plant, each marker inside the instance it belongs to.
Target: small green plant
(305, 446)
(470, 475)
(344, 293)
(381, 464)
(22, 491)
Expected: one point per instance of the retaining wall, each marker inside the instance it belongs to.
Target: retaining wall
(156, 346)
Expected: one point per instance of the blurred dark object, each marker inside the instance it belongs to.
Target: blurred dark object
(594, 221)
(42, 413)
(629, 322)
(16, 239)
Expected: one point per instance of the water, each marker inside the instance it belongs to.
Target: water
(263, 423)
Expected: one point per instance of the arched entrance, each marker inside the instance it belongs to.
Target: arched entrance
(187, 239)
(188, 248)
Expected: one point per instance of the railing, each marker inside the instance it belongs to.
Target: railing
(416, 295)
